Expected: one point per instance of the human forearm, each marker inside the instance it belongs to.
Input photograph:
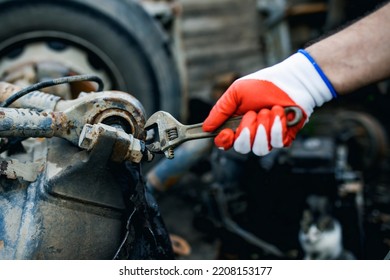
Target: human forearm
(358, 55)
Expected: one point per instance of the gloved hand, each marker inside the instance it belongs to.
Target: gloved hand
(261, 98)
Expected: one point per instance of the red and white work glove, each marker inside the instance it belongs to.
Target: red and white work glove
(261, 98)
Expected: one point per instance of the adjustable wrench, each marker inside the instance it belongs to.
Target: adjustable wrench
(165, 132)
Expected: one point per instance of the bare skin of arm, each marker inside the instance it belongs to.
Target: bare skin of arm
(357, 56)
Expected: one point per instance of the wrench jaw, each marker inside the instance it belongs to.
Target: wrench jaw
(171, 134)
(161, 129)
(152, 140)
(157, 145)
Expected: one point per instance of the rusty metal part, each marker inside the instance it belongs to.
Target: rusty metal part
(48, 116)
(37, 99)
(39, 61)
(31, 123)
(13, 169)
(53, 82)
(66, 118)
(125, 148)
(169, 132)
(111, 107)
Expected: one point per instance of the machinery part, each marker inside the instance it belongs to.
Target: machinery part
(127, 49)
(126, 147)
(361, 132)
(77, 208)
(28, 171)
(78, 201)
(365, 137)
(35, 100)
(168, 132)
(68, 117)
(53, 82)
(232, 226)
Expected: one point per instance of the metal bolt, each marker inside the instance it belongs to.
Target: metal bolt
(86, 137)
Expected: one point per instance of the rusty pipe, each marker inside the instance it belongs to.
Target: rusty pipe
(91, 108)
(37, 99)
(46, 115)
(31, 123)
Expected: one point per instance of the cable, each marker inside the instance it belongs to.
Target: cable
(49, 83)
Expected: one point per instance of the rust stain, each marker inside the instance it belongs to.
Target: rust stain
(1, 245)
(61, 122)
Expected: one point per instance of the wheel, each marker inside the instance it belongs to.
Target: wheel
(114, 39)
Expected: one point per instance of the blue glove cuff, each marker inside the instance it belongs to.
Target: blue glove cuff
(320, 72)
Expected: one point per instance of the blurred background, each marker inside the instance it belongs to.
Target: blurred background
(292, 203)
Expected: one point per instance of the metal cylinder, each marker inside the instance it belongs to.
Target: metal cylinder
(36, 99)
(26, 123)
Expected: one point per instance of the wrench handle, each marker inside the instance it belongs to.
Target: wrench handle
(195, 131)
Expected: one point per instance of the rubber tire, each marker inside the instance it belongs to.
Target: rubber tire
(129, 38)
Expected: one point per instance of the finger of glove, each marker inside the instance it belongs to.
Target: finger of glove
(225, 139)
(222, 110)
(261, 145)
(245, 133)
(242, 96)
(279, 127)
